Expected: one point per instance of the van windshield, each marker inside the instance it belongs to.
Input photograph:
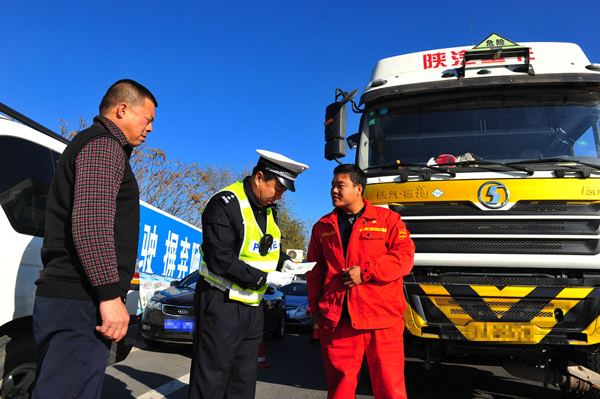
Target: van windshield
(493, 125)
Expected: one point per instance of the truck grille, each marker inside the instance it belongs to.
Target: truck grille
(526, 226)
(568, 226)
(494, 245)
(526, 280)
(521, 208)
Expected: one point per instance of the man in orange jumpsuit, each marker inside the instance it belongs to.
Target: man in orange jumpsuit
(355, 290)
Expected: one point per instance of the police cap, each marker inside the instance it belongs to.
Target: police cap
(285, 169)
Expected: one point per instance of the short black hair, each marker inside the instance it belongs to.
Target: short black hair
(268, 175)
(355, 174)
(125, 91)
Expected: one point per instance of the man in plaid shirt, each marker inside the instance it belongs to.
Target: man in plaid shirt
(90, 247)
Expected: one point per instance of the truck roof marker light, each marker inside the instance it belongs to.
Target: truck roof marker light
(520, 69)
(448, 75)
(484, 72)
(378, 82)
(594, 67)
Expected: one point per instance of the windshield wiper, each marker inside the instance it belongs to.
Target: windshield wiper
(561, 172)
(424, 170)
(446, 167)
(478, 162)
(560, 159)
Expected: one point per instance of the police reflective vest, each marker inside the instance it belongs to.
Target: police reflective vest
(249, 252)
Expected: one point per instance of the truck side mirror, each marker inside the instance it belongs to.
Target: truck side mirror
(335, 131)
(335, 126)
(353, 140)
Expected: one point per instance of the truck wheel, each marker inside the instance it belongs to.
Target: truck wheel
(18, 362)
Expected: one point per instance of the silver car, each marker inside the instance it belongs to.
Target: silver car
(296, 298)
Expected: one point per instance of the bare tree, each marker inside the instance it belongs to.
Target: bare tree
(176, 187)
(295, 232)
(64, 127)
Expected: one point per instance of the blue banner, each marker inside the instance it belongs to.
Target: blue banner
(168, 247)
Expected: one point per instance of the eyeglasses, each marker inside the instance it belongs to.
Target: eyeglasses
(265, 244)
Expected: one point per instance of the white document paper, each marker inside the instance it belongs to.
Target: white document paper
(301, 268)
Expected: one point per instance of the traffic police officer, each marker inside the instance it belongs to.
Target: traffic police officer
(241, 256)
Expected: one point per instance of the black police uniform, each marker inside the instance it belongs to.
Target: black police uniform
(228, 332)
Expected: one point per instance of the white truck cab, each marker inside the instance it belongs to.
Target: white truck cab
(491, 155)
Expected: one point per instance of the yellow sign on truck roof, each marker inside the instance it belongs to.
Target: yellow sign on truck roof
(495, 42)
(496, 47)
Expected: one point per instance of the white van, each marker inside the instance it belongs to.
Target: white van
(28, 156)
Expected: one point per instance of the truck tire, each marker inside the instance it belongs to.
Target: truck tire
(18, 362)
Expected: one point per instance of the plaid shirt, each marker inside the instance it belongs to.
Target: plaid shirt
(99, 169)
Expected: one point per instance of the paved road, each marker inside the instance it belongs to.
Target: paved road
(296, 372)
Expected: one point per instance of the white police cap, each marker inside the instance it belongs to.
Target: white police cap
(285, 169)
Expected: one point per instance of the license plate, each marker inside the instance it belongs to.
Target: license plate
(179, 325)
(503, 332)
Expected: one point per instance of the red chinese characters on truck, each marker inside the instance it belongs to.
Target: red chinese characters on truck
(455, 58)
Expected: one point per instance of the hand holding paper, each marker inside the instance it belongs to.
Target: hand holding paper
(297, 268)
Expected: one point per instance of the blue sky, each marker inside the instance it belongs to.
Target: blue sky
(234, 76)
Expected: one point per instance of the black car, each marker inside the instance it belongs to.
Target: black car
(169, 314)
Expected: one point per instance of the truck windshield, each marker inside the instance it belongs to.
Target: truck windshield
(493, 125)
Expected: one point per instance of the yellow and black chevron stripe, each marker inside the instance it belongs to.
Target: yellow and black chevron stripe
(504, 315)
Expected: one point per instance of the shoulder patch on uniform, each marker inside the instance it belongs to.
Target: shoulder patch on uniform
(227, 198)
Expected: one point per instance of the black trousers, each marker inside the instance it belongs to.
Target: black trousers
(226, 340)
(72, 355)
